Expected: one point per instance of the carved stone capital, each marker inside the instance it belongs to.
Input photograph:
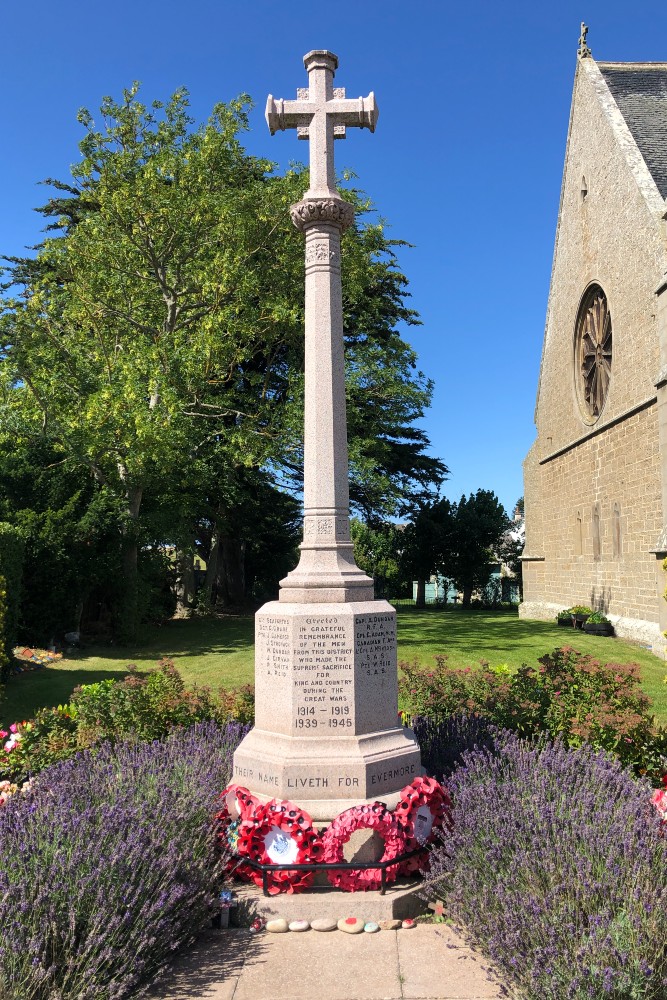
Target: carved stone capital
(314, 211)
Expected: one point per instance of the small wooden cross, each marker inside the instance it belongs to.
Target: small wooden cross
(321, 114)
(438, 908)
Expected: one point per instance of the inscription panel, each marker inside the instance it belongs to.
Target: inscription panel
(323, 677)
(273, 661)
(376, 687)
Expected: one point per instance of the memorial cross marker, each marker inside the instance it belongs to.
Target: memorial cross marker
(326, 723)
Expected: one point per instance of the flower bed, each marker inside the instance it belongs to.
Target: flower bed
(108, 865)
(556, 867)
(26, 659)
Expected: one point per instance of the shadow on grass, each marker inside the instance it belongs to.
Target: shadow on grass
(499, 630)
(47, 686)
(187, 637)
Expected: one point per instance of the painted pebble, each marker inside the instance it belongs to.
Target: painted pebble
(390, 925)
(257, 926)
(322, 924)
(299, 925)
(371, 927)
(408, 924)
(350, 925)
(277, 926)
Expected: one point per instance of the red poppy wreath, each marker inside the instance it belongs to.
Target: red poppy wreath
(278, 833)
(423, 808)
(237, 804)
(374, 816)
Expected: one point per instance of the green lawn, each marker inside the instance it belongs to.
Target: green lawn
(219, 653)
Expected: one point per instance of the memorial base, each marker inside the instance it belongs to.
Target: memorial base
(326, 733)
(327, 778)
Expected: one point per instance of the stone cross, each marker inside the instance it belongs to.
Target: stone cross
(326, 731)
(321, 114)
(326, 571)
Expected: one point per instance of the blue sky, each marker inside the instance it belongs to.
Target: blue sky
(465, 163)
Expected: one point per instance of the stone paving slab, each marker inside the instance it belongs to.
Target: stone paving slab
(429, 962)
(435, 964)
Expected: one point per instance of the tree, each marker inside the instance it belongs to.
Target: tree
(156, 338)
(425, 542)
(476, 528)
(377, 551)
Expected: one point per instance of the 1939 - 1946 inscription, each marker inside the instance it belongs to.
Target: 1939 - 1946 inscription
(323, 676)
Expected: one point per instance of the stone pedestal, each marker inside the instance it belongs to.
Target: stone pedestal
(327, 734)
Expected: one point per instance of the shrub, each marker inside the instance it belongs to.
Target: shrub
(11, 572)
(442, 743)
(138, 707)
(570, 694)
(146, 707)
(50, 737)
(442, 691)
(597, 618)
(556, 867)
(109, 864)
(238, 703)
(573, 695)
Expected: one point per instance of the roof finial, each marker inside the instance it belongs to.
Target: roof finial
(583, 51)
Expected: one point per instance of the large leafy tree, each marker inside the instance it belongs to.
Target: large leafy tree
(157, 334)
(476, 528)
(426, 541)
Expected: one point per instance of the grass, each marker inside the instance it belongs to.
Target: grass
(219, 652)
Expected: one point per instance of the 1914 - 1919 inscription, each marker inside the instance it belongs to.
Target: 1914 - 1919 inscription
(323, 676)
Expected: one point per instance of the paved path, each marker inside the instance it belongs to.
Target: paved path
(427, 963)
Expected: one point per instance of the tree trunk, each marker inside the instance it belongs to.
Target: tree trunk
(185, 580)
(231, 572)
(467, 595)
(128, 611)
(212, 568)
(420, 599)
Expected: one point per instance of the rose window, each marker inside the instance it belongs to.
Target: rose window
(593, 351)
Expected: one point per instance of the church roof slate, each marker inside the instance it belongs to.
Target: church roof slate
(640, 91)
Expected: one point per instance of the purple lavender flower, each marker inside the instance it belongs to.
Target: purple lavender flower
(109, 864)
(557, 869)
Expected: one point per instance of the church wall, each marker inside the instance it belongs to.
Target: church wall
(624, 463)
(610, 237)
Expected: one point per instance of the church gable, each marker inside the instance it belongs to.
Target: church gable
(640, 91)
(610, 237)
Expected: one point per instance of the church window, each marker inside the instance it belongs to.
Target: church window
(584, 189)
(579, 535)
(616, 548)
(596, 532)
(593, 352)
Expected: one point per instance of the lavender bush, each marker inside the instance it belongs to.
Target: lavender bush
(557, 869)
(108, 865)
(442, 742)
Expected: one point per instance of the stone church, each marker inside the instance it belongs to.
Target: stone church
(596, 477)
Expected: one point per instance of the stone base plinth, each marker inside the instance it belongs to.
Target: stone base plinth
(327, 735)
(327, 777)
(400, 900)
